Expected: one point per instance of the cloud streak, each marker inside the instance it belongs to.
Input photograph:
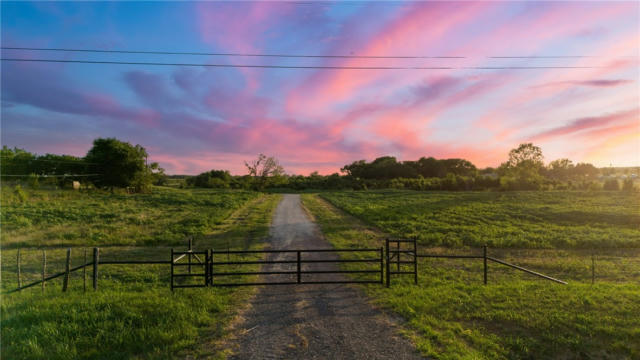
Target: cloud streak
(624, 118)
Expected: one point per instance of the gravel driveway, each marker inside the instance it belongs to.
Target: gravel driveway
(313, 321)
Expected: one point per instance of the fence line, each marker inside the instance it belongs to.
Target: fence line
(397, 253)
(393, 255)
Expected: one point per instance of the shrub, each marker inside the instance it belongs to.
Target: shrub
(594, 186)
(627, 185)
(611, 184)
(32, 180)
(21, 196)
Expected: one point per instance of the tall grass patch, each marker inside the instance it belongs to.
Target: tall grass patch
(97, 218)
(133, 314)
(450, 314)
(527, 219)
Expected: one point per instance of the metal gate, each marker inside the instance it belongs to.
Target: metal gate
(409, 248)
(182, 275)
(288, 267)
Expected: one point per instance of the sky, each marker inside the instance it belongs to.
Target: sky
(471, 80)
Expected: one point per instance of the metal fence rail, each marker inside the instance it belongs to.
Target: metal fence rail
(217, 268)
(486, 259)
(526, 270)
(398, 257)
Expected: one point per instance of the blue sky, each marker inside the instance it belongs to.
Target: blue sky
(193, 119)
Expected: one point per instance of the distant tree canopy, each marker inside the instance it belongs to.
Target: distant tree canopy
(387, 167)
(560, 169)
(20, 162)
(265, 171)
(523, 169)
(109, 163)
(119, 163)
(211, 179)
(525, 155)
(113, 163)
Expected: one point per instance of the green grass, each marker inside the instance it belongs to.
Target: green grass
(450, 314)
(117, 323)
(558, 219)
(96, 218)
(133, 314)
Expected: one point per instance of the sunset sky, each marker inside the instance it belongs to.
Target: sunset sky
(575, 94)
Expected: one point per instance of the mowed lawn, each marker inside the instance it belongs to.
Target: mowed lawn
(450, 314)
(133, 314)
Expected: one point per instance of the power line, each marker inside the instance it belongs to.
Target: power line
(79, 162)
(65, 175)
(559, 57)
(195, 53)
(543, 57)
(234, 54)
(304, 67)
(233, 65)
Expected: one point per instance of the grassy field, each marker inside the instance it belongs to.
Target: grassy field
(532, 219)
(133, 314)
(70, 218)
(450, 314)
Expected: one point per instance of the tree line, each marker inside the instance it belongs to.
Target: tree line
(524, 170)
(113, 163)
(110, 163)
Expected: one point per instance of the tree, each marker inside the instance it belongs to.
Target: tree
(263, 170)
(119, 164)
(585, 170)
(527, 155)
(211, 179)
(522, 170)
(560, 169)
(355, 169)
(16, 161)
(459, 167)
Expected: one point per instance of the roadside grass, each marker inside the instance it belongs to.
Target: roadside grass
(528, 219)
(133, 314)
(450, 314)
(50, 218)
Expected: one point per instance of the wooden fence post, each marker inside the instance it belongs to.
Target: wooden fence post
(84, 272)
(67, 267)
(388, 267)
(485, 263)
(18, 265)
(44, 266)
(96, 256)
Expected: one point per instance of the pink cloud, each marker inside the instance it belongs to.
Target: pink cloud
(404, 35)
(578, 125)
(604, 83)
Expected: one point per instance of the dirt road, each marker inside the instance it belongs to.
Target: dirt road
(313, 321)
